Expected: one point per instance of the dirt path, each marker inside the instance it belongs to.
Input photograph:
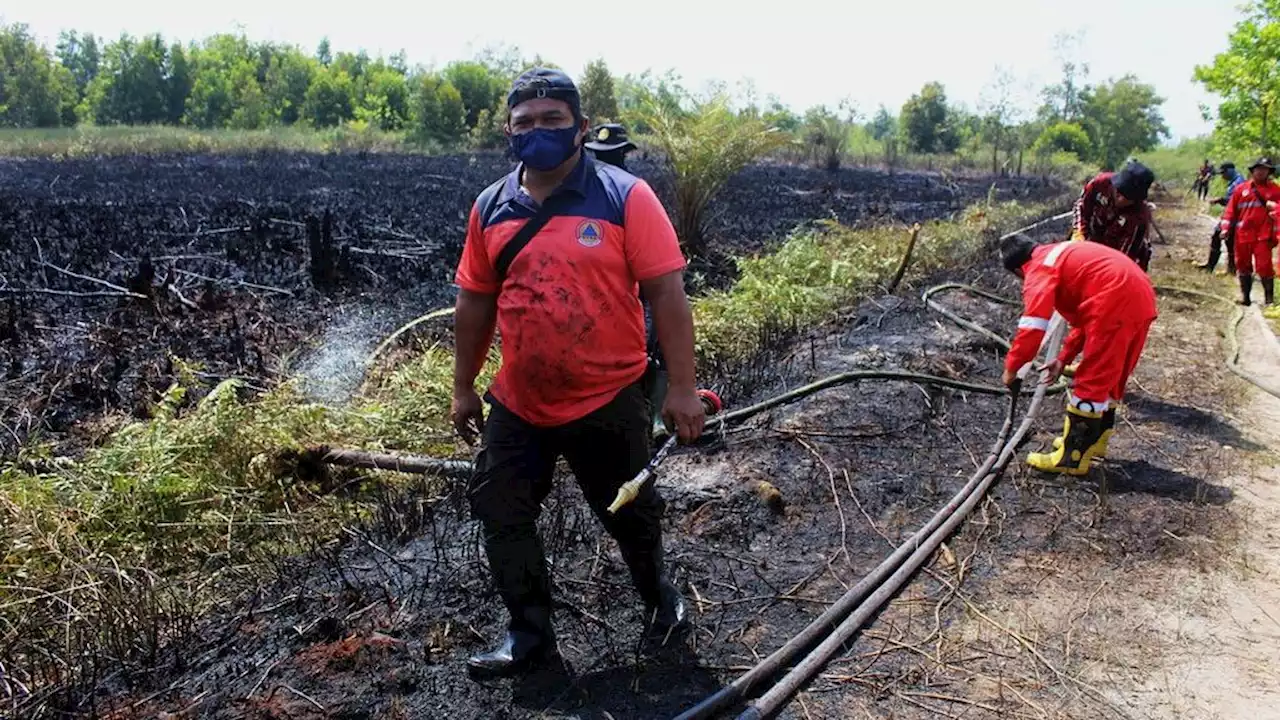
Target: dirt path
(1224, 648)
(1155, 592)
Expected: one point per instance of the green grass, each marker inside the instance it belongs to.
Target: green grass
(817, 272)
(87, 141)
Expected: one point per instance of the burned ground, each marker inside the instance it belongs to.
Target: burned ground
(239, 263)
(764, 529)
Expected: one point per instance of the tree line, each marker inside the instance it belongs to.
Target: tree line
(228, 81)
(1246, 76)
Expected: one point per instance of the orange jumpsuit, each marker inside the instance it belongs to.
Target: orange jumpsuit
(1106, 299)
(1255, 229)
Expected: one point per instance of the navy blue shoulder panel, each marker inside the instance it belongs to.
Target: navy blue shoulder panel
(489, 200)
(598, 191)
(614, 185)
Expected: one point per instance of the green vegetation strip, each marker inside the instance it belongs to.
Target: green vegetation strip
(185, 501)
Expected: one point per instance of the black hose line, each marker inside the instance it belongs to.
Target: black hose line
(851, 611)
(943, 524)
(818, 628)
(927, 297)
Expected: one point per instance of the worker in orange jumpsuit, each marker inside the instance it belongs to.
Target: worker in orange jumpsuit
(1248, 218)
(1110, 304)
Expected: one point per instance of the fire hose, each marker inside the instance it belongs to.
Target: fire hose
(851, 611)
(807, 652)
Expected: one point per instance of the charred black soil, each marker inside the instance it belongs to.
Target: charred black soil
(112, 268)
(764, 529)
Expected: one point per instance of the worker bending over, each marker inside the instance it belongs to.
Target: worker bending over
(1248, 221)
(573, 355)
(1110, 304)
(1112, 210)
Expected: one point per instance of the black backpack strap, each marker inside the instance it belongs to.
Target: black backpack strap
(523, 236)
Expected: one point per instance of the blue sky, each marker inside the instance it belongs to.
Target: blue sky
(804, 51)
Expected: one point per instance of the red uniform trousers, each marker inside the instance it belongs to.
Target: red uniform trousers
(1254, 254)
(1112, 348)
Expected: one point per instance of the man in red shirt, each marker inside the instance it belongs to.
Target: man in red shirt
(1248, 218)
(1112, 210)
(573, 353)
(1110, 304)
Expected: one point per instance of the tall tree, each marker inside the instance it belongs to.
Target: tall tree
(330, 99)
(178, 71)
(883, 125)
(35, 91)
(225, 91)
(80, 55)
(599, 99)
(480, 87)
(324, 54)
(288, 80)
(1121, 117)
(924, 121)
(1000, 110)
(1247, 77)
(132, 86)
(1064, 100)
(384, 98)
(437, 113)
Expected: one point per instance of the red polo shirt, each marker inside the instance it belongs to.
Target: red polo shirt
(569, 313)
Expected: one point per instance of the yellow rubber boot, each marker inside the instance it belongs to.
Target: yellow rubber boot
(1081, 435)
(1101, 447)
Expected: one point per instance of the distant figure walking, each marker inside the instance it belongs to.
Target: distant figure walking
(1203, 177)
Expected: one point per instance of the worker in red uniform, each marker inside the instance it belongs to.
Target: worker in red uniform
(1110, 304)
(1112, 210)
(567, 306)
(1248, 219)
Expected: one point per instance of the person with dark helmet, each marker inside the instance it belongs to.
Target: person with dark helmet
(1233, 179)
(1113, 210)
(609, 144)
(554, 257)
(1110, 304)
(1248, 221)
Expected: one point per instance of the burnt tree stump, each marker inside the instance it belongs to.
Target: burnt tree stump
(324, 268)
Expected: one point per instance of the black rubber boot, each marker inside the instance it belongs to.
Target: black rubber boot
(664, 608)
(521, 650)
(1269, 291)
(1212, 265)
(1215, 253)
(1246, 288)
(519, 571)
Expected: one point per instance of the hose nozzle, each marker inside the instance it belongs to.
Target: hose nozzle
(711, 404)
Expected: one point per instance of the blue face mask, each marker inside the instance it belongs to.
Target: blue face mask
(543, 149)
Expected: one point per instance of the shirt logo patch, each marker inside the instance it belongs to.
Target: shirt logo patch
(590, 233)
